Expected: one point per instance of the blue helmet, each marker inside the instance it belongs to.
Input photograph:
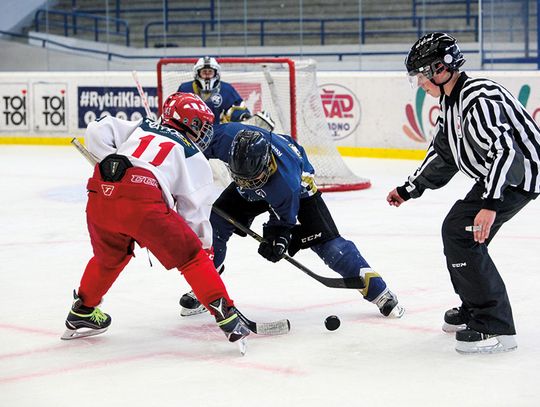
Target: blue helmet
(250, 159)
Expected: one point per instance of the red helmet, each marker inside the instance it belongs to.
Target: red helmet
(187, 112)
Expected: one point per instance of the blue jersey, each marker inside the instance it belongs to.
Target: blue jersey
(223, 100)
(292, 181)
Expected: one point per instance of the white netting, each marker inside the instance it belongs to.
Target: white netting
(269, 85)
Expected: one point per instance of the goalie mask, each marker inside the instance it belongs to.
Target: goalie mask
(207, 73)
(431, 54)
(251, 162)
(187, 113)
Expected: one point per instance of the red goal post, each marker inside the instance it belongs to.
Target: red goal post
(287, 90)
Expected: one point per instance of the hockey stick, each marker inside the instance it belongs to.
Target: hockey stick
(144, 100)
(85, 153)
(279, 327)
(274, 96)
(350, 282)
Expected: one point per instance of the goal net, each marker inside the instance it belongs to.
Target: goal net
(288, 91)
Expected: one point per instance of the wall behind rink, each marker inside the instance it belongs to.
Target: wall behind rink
(368, 113)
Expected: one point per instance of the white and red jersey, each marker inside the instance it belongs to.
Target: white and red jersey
(182, 171)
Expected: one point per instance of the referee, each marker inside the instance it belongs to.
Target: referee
(484, 132)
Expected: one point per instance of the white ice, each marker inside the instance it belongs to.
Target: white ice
(153, 357)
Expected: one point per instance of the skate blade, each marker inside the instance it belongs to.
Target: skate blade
(242, 346)
(397, 312)
(501, 343)
(450, 329)
(187, 312)
(81, 333)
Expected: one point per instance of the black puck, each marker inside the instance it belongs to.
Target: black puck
(332, 323)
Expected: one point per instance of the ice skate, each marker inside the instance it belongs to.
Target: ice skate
(470, 341)
(230, 323)
(191, 305)
(454, 320)
(85, 321)
(387, 303)
(189, 302)
(378, 293)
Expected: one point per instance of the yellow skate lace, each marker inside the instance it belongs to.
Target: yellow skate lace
(96, 316)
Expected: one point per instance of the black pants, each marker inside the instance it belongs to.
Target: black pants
(474, 276)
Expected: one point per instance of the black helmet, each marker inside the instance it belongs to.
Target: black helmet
(431, 53)
(250, 159)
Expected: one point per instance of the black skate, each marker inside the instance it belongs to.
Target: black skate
(230, 323)
(387, 303)
(191, 305)
(470, 341)
(454, 320)
(85, 321)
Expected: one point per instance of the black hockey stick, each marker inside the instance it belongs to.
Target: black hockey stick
(350, 282)
(279, 327)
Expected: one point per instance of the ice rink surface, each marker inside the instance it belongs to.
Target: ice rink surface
(153, 357)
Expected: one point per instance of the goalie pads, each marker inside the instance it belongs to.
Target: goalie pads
(262, 120)
(316, 225)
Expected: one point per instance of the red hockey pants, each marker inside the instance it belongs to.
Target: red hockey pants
(133, 209)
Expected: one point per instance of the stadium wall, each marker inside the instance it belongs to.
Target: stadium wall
(369, 114)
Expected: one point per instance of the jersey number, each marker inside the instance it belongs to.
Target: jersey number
(164, 149)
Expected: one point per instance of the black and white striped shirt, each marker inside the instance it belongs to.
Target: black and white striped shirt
(487, 134)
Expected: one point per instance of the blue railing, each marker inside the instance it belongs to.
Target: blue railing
(166, 9)
(340, 55)
(417, 3)
(70, 22)
(311, 27)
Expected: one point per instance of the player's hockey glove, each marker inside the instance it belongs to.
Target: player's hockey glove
(275, 242)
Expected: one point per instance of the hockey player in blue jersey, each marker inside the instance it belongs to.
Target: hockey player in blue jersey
(272, 174)
(221, 97)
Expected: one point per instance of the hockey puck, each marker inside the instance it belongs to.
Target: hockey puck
(332, 323)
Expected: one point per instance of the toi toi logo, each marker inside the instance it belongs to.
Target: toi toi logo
(14, 109)
(341, 108)
(54, 112)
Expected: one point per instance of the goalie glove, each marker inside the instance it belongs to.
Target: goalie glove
(236, 113)
(261, 119)
(275, 242)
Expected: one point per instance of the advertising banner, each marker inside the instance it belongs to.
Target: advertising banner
(381, 110)
(122, 102)
(14, 106)
(50, 106)
(373, 110)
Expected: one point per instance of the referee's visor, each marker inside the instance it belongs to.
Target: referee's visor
(420, 75)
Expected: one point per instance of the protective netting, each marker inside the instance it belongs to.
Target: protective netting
(288, 91)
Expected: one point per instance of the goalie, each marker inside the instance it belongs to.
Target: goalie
(221, 97)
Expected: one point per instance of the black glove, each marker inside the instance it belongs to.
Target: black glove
(296, 240)
(275, 242)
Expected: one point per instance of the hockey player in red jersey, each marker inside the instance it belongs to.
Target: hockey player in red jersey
(152, 186)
